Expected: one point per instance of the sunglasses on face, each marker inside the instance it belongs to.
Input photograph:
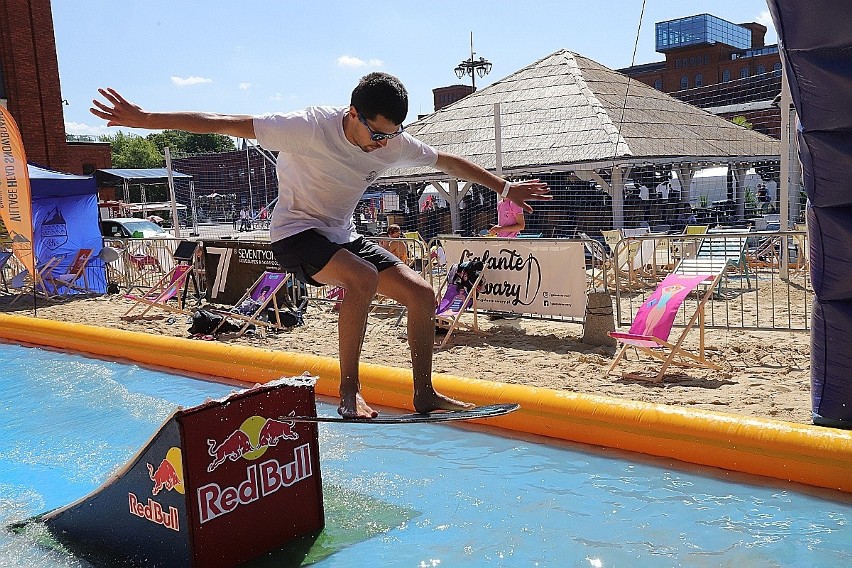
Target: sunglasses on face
(379, 136)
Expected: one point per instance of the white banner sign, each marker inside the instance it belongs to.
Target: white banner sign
(526, 276)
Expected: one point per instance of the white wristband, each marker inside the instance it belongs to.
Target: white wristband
(506, 187)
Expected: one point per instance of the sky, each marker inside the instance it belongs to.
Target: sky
(259, 56)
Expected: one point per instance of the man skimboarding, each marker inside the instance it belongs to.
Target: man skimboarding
(328, 157)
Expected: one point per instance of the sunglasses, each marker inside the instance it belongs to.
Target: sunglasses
(379, 136)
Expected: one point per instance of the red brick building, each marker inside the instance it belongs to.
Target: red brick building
(714, 64)
(448, 95)
(29, 88)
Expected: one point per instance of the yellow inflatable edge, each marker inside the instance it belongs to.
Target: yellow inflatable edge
(811, 455)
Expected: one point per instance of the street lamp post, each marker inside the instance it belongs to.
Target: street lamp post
(473, 67)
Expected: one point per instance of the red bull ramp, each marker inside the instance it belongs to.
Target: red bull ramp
(218, 484)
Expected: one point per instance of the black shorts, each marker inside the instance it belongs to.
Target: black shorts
(306, 253)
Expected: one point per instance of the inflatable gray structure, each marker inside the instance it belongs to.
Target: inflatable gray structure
(816, 48)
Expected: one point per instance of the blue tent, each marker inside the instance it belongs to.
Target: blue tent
(48, 183)
(815, 46)
(65, 219)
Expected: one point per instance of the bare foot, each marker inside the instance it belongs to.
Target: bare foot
(353, 407)
(429, 401)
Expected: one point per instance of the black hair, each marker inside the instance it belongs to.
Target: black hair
(381, 94)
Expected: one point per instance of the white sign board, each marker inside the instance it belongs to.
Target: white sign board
(526, 276)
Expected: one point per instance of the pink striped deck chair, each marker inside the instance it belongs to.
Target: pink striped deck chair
(462, 285)
(169, 287)
(649, 333)
(260, 296)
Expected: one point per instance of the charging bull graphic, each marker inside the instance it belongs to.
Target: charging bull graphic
(274, 431)
(250, 441)
(165, 477)
(169, 474)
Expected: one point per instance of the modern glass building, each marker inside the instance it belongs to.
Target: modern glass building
(700, 29)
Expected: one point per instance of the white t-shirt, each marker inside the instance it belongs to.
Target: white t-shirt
(321, 175)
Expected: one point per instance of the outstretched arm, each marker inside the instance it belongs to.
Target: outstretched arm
(120, 112)
(520, 192)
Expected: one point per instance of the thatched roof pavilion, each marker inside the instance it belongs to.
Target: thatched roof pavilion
(568, 113)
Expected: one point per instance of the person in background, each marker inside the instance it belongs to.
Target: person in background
(244, 220)
(510, 220)
(397, 248)
(327, 157)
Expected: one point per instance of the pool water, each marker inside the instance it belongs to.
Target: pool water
(465, 497)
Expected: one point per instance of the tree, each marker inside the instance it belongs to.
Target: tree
(740, 120)
(183, 143)
(132, 151)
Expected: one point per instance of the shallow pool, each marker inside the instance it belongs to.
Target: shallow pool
(464, 497)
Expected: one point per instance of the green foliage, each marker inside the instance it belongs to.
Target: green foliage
(741, 121)
(132, 151)
(183, 143)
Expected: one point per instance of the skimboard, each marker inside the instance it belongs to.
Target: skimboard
(488, 411)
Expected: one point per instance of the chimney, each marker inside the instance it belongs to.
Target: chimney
(758, 34)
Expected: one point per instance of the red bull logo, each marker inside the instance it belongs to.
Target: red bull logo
(261, 480)
(167, 476)
(153, 511)
(250, 441)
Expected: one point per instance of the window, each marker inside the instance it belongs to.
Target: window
(658, 84)
(761, 69)
(777, 67)
(699, 80)
(677, 63)
(89, 169)
(692, 61)
(706, 59)
(684, 82)
(726, 75)
(743, 72)
(701, 29)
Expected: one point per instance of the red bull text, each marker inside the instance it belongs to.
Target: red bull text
(153, 511)
(261, 480)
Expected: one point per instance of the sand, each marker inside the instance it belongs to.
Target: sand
(764, 373)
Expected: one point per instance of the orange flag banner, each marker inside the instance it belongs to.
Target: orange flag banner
(15, 201)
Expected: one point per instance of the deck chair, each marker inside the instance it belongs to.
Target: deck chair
(252, 307)
(168, 288)
(459, 295)
(5, 256)
(766, 254)
(65, 284)
(718, 255)
(645, 261)
(26, 284)
(695, 229)
(802, 264)
(619, 265)
(598, 257)
(687, 248)
(418, 250)
(185, 253)
(652, 325)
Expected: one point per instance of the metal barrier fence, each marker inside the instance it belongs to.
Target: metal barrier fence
(765, 285)
(141, 263)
